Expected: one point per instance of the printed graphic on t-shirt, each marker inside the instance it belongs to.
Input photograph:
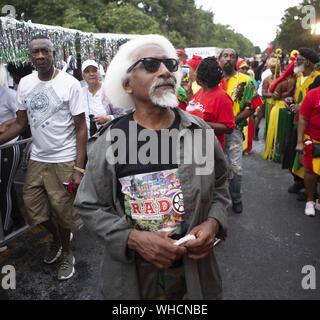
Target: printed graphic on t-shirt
(154, 201)
(42, 103)
(196, 108)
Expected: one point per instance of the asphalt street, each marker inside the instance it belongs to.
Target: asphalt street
(262, 258)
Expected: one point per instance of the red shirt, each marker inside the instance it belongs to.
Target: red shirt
(214, 106)
(310, 109)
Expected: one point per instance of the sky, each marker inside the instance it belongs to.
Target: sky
(257, 20)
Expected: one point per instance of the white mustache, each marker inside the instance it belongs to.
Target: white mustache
(298, 69)
(161, 82)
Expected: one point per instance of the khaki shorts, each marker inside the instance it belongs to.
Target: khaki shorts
(46, 198)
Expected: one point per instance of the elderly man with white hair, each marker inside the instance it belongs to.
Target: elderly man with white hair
(146, 189)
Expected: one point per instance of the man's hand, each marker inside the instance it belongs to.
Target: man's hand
(155, 247)
(288, 102)
(294, 108)
(300, 148)
(205, 234)
(76, 178)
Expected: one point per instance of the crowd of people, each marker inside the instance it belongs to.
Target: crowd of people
(137, 183)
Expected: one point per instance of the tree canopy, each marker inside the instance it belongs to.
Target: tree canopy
(179, 20)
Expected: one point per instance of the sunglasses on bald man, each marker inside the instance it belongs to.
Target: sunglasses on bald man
(153, 64)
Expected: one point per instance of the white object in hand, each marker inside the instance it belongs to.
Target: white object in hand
(185, 239)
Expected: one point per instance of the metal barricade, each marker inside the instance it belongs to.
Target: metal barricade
(18, 181)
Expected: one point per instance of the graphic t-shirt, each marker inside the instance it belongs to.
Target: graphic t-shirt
(214, 106)
(151, 192)
(311, 109)
(154, 201)
(50, 106)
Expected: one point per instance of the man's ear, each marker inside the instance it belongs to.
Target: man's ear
(127, 86)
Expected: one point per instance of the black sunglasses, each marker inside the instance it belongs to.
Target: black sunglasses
(153, 64)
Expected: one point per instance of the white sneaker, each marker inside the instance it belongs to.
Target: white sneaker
(310, 209)
(3, 248)
(317, 206)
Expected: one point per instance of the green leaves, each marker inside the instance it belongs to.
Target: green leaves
(74, 20)
(179, 20)
(126, 19)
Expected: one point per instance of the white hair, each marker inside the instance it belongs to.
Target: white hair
(117, 70)
(3, 76)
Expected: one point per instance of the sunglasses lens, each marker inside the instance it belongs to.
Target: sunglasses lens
(151, 65)
(171, 64)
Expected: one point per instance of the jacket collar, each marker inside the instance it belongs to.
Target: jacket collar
(187, 121)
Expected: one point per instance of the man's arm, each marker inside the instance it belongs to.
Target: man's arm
(5, 125)
(81, 138)
(265, 88)
(302, 125)
(304, 115)
(216, 224)
(244, 114)
(220, 128)
(277, 93)
(15, 128)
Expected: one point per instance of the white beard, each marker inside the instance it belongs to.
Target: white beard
(298, 69)
(168, 99)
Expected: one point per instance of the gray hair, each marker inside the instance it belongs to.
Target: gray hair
(117, 70)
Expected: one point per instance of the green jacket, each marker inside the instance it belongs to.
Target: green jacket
(205, 196)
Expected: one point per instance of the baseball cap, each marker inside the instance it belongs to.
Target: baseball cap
(88, 63)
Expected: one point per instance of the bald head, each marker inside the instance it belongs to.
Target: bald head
(42, 41)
